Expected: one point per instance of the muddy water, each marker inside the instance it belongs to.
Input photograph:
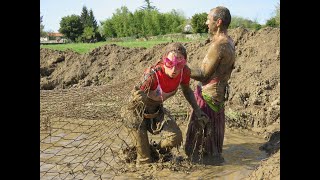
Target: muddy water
(89, 149)
(241, 153)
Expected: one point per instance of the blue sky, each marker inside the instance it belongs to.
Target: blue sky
(54, 10)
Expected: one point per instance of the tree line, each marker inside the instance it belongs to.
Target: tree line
(144, 22)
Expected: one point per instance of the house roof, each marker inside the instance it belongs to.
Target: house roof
(55, 34)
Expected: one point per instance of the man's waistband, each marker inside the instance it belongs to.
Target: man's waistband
(212, 81)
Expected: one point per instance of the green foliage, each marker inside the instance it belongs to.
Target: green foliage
(88, 34)
(83, 28)
(84, 16)
(256, 26)
(272, 22)
(177, 20)
(88, 21)
(275, 20)
(107, 29)
(42, 32)
(142, 23)
(71, 27)
(278, 14)
(198, 23)
(120, 21)
(148, 6)
(92, 21)
(237, 21)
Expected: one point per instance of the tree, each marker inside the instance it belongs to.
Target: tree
(238, 21)
(148, 6)
(198, 23)
(88, 20)
(92, 21)
(142, 23)
(120, 21)
(272, 22)
(275, 20)
(139, 29)
(108, 29)
(278, 14)
(71, 27)
(88, 34)
(84, 16)
(42, 32)
(179, 21)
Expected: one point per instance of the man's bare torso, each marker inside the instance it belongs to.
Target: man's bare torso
(218, 64)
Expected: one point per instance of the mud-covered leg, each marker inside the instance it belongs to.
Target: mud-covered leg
(137, 130)
(171, 135)
(140, 140)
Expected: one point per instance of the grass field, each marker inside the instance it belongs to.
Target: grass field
(87, 47)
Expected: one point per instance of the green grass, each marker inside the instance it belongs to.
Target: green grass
(77, 47)
(87, 47)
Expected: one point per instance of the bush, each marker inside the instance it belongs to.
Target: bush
(198, 23)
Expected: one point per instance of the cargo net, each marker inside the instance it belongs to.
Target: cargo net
(83, 136)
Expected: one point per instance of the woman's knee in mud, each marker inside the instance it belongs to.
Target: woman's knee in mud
(172, 140)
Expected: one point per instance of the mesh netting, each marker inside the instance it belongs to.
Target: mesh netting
(82, 133)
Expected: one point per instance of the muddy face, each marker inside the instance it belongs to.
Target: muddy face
(211, 23)
(173, 72)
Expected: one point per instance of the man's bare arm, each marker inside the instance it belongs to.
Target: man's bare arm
(209, 64)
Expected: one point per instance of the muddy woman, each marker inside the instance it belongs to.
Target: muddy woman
(212, 90)
(146, 111)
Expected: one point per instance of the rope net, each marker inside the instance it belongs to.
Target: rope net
(82, 133)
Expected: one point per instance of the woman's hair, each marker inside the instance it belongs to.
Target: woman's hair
(177, 48)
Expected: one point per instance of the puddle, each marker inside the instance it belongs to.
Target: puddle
(94, 152)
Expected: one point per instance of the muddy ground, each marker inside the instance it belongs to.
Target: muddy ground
(254, 101)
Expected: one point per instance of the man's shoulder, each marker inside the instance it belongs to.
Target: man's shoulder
(221, 43)
(222, 40)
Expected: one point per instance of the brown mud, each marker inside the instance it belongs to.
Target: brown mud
(253, 108)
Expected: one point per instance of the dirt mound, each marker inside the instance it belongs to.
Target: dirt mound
(103, 65)
(254, 100)
(273, 145)
(268, 168)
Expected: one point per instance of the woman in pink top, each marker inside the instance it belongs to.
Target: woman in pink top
(159, 83)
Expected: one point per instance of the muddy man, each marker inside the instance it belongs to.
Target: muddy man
(212, 90)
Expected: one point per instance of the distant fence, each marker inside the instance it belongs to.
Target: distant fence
(176, 36)
(62, 41)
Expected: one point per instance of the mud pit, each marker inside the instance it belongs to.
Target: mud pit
(82, 133)
(91, 149)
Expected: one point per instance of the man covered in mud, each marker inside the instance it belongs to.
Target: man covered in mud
(212, 90)
(159, 83)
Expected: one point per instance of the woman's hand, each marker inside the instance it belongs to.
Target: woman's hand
(202, 118)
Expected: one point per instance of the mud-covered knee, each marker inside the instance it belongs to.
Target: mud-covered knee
(177, 140)
(138, 125)
(131, 119)
(173, 140)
